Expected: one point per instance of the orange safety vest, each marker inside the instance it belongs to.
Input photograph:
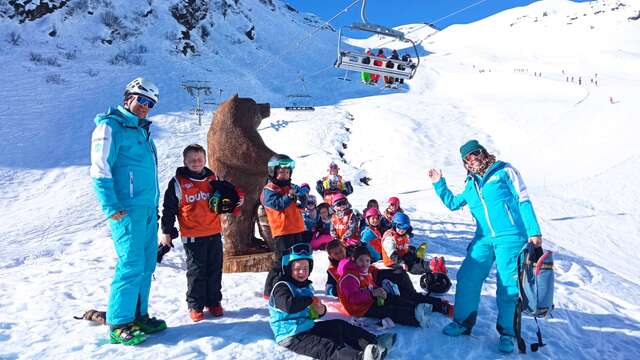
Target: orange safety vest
(287, 221)
(402, 246)
(194, 215)
(341, 224)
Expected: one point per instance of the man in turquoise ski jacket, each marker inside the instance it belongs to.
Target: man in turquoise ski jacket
(505, 221)
(125, 178)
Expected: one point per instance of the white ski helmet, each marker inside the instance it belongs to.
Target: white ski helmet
(143, 87)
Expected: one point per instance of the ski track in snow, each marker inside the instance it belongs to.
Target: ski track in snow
(577, 152)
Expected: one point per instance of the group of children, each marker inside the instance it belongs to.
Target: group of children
(382, 290)
(370, 258)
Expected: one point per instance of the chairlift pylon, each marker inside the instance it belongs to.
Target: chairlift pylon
(360, 62)
(295, 102)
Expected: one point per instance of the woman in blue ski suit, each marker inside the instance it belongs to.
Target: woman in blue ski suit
(505, 220)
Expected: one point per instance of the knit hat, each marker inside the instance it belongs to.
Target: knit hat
(469, 147)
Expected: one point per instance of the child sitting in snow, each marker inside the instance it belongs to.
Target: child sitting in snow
(322, 227)
(336, 252)
(361, 296)
(371, 235)
(396, 252)
(310, 216)
(293, 310)
(345, 223)
(391, 210)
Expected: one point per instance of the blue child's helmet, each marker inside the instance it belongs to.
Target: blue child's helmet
(280, 161)
(300, 251)
(401, 221)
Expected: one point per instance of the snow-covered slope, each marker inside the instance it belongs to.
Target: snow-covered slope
(575, 147)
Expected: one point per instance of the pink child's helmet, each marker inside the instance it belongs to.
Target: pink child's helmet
(394, 200)
(371, 212)
(337, 197)
(333, 166)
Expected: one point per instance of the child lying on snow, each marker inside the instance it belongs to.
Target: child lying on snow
(293, 310)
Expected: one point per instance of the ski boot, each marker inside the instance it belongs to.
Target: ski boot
(196, 315)
(455, 329)
(421, 251)
(386, 340)
(506, 344)
(128, 335)
(149, 325)
(374, 352)
(216, 310)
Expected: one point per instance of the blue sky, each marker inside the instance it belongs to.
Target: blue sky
(399, 12)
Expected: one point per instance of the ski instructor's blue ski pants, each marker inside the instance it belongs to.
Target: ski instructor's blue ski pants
(475, 269)
(135, 238)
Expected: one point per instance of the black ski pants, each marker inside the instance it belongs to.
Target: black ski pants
(407, 291)
(332, 339)
(282, 245)
(400, 310)
(204, 271)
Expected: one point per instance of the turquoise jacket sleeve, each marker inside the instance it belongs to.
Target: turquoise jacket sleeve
(366, 238)
(519, 190)
(453, 202)
(104, 151)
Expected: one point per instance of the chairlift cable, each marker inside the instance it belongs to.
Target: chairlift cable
(437, 20)
(308, 35)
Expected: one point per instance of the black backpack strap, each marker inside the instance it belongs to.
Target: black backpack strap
(539, 344)
(517, 327)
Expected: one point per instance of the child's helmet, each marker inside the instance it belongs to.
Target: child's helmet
(339, 199)
(311, 199)
(140, 86)
(300, 251)
(401, 221)
(280, 161)
(371, 212)
(333, 166)
(394, 200)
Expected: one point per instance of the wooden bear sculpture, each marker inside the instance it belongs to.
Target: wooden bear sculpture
(238, 154)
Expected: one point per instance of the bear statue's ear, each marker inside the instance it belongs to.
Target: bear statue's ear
(265, 110)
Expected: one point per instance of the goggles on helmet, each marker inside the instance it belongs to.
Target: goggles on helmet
(341, 203)
(403, 226)
(301, 249)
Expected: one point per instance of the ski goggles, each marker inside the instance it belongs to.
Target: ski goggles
(145, 101)
(474, 153)
(287, 164)
(301, 249)
(404, 227)
(340, 203)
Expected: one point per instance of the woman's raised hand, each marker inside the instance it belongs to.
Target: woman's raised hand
(435, 175)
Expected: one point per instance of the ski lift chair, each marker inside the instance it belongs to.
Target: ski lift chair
(360, 62)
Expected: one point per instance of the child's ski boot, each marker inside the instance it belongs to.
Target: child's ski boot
(150, 325)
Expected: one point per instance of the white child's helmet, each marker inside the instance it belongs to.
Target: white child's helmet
(143, 87)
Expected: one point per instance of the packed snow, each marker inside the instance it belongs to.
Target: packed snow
(551, 87)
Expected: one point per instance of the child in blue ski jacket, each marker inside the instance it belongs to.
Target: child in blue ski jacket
(293, 310)
(505, 221)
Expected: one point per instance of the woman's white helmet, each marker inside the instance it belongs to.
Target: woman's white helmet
(143, 87)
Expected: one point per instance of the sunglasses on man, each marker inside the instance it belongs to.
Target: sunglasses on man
(145, 101)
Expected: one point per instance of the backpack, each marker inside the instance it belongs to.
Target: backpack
(224, 197)
(436, 280)
(535, 282)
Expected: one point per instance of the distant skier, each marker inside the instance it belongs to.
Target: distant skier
(380, 54)
(505, 221)
(365, 76)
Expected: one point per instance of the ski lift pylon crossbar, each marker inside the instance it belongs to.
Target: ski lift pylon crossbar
(379, 29)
